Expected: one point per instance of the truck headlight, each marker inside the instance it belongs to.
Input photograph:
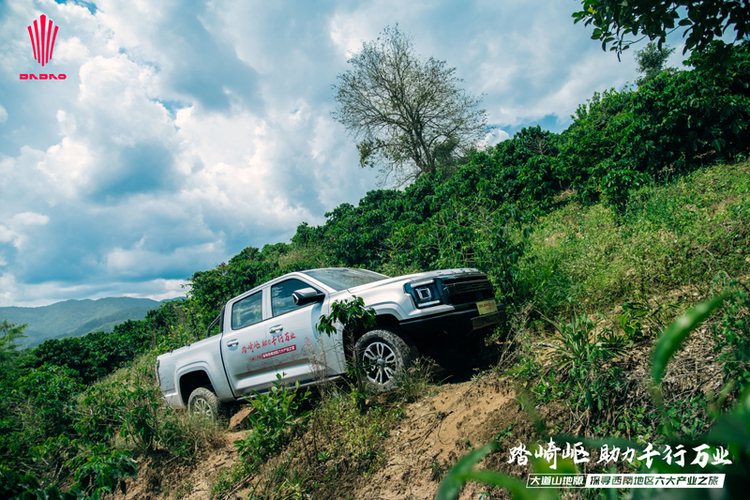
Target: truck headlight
(424, 293)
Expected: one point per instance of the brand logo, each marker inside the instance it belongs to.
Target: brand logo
(43, 76)
(43, 44)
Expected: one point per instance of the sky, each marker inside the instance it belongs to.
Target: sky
(185, 131)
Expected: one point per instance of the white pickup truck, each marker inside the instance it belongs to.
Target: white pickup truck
(271, 330)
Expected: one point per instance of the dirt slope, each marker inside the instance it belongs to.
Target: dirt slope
(434, 433)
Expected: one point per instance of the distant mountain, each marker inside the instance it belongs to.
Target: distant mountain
(76, 317)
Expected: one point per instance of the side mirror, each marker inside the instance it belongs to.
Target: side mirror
(307, 296)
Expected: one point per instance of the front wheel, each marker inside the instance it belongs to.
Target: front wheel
(203, 402)
(382, 358)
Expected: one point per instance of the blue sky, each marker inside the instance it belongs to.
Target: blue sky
(188, 130)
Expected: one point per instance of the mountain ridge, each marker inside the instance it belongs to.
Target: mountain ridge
(76, 317)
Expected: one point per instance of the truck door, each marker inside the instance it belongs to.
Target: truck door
(296, 352)
(241, 345)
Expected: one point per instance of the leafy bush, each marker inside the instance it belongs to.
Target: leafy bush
(275, 418)
(38, 411)
(580, 357)
(26, 487)
(103, 471)
(617, 185)
(732, 337)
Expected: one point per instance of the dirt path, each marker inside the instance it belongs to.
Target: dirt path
(434, 433)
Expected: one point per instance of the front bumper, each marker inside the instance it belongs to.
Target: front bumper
(486, 320)
(464, 323)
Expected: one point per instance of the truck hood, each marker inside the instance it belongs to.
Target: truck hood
(446, 273)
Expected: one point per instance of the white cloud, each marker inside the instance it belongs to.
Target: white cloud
(71, 51)
(18, 226)
(495, 136)
(6, 235)
(68, 166)
(29, 219)
(160, 289)
(137, 261)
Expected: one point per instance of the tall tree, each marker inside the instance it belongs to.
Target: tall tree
(707, 23)
(651, 60)
(407, 114)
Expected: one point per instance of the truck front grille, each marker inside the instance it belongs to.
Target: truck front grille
(469, 291)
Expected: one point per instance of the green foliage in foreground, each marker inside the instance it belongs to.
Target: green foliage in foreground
(275, 418)
(352, 315)
(56, 430)
(616, 23)
(731, 429)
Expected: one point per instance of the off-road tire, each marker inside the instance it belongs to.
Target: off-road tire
(382, 357)
(204, 402)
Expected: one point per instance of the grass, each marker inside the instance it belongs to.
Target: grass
(126, 407)
(678, 236)
(344, 431)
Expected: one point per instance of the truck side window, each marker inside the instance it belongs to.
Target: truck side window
(247, 311)
(281, 296)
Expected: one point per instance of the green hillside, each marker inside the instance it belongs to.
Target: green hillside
(76, 317)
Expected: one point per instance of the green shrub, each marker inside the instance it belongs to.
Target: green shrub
(103, 471)
(17, 486)
(274, 419)
(617, 185)
(732, 337)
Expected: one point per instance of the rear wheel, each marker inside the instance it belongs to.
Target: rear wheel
(203, 402)
(382, 358)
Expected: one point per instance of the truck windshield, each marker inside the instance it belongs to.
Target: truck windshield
(343, 278)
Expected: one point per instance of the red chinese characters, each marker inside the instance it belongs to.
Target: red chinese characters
(281, 339)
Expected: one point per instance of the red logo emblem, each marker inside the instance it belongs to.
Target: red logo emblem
(43, 41)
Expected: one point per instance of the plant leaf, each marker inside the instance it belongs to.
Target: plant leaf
(458, 475)
(678, 331)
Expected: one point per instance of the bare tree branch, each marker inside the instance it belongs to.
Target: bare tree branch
(405, 114)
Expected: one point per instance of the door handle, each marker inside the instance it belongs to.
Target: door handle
(232, 343)
(275, 329)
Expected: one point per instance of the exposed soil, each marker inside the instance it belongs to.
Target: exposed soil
(157, 479)
(434, 433)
